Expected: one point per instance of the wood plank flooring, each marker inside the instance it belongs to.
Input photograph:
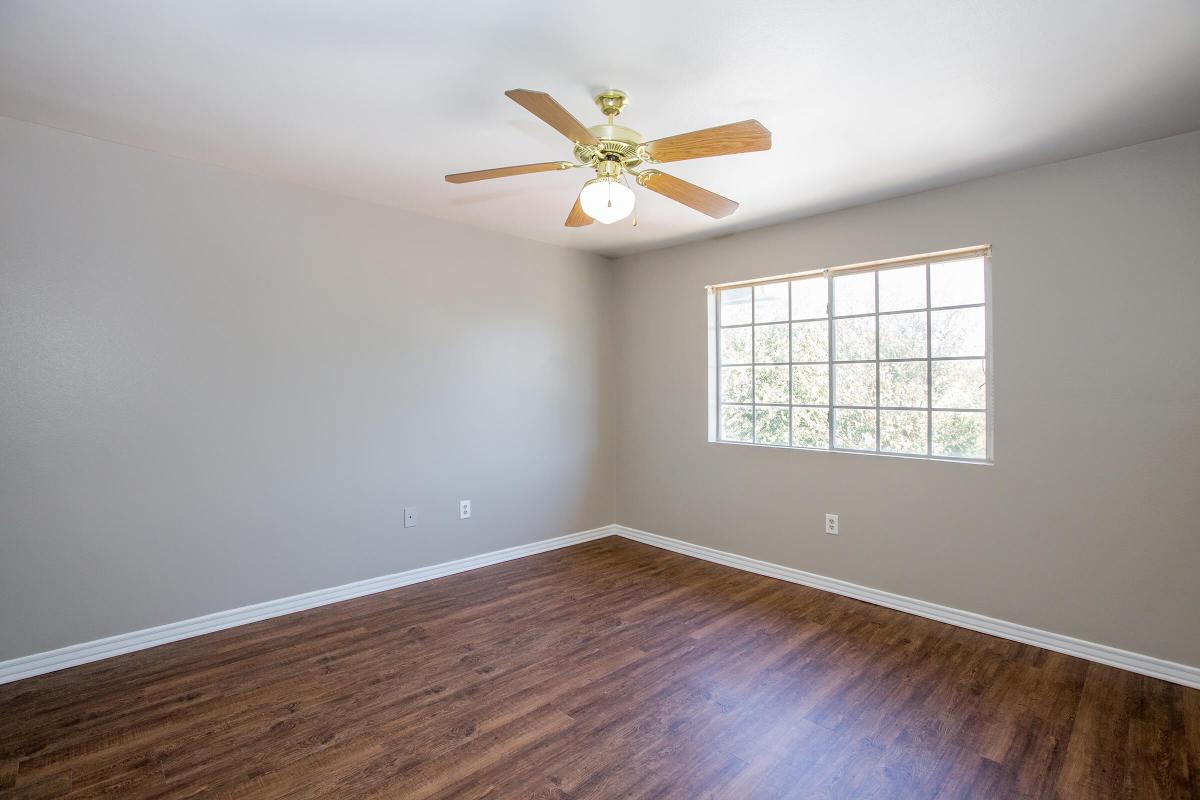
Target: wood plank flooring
(606, 670)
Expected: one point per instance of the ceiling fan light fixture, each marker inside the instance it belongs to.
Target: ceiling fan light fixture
(606, 200)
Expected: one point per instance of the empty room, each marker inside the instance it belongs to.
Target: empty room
(478, 401)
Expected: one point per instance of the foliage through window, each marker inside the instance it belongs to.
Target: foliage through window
(887, 359)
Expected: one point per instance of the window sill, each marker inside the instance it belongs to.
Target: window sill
(978, 462)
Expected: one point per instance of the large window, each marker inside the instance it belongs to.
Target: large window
(889, 358)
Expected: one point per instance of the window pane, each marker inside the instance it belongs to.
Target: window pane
(810, 341)
(956, 283)
(902, 335)
(853, 294)
(960, 434)
(889, 360)
(854, 429)
(735, 346)
(855, 338)
(957, 333)
(736, 384)
(901, 289)
(810, 427)
(771, 425)
(771, 384)
(855, 384)
(810, 384)
(735, 306)
(810, 298)
(771, 302)
(902, 432)
(770, 344)
(903, 384)
(960, 384)
(737, 423)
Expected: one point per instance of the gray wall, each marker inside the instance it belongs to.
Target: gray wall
(217, 390)
(1088, 524)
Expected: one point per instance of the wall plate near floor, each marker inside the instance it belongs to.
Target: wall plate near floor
(831, 524)
(464, 509)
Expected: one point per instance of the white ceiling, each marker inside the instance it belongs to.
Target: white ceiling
(377, 99)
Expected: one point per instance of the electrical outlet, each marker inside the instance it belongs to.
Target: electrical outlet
(464, 509)
(410, 516)
(831, 524)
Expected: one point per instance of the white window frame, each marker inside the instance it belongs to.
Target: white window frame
(715, 330)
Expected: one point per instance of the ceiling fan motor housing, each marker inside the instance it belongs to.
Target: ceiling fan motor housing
(615, 140)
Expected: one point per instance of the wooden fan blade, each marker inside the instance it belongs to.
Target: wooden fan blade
(689, 194)
(747, 136)
(547, 109)
(577, 218)
(504, 172)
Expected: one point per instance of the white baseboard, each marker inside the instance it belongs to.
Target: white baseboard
(73, 655)
(41, 663)
(1100, 653)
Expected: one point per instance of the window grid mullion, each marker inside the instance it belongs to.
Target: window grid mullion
(886, 360)
(900, 311)
(928, 363)
(753, 366)
(875, 274)
(720, 366)
(790, 396)
(832, 344)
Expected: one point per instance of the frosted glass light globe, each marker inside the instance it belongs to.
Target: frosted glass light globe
(606, 201)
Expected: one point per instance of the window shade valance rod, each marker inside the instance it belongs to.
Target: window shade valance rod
(923, 258)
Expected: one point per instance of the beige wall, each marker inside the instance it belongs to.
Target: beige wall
(217, 390)
(1088, 524)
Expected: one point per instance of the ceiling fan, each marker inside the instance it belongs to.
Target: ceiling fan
(615, 152)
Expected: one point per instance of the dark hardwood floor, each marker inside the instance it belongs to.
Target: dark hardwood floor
(607, 670)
